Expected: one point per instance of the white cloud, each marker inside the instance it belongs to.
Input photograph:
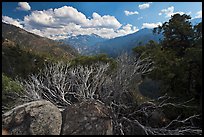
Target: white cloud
(66, 21)
(24, 6)
(199, 14)
(127, 29)
(69, 14)
(40, 19)
(151, 25)
(105, 21)
(145, 5)
(169, 12)
(12, 21)
(55, 18)
(60, 17)
(127, 13)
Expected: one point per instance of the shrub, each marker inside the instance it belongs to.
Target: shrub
(10, 90)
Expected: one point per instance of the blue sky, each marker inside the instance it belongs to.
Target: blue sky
(58, 20)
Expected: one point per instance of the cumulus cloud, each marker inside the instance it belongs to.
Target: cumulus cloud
(151, 25)
(127, 13)
(55, 18)
(127, 29)
(169, 12)
(24, 6)
(67, 21)
(69, 14)
(105, 21)
(60, 17)
(12, 21)
(199, 14)
(144, 6)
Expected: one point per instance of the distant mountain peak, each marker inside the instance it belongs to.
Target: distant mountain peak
(83, 43)
(195, 21)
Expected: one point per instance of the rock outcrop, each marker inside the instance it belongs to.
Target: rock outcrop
(33, 118)
(86, 118)
(43, 118)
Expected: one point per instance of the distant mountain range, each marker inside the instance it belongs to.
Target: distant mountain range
(116, 46)
(94, 44)
(83, 43)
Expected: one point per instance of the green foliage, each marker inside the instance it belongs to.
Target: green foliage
(89, 60)
(9, 88)
(150, 48)
(178, 58)
(17, 62)
(139, 50)
(20, 62)
(178, 33)
(8, 85)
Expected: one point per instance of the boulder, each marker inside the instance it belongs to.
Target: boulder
(33, 118)
(86, 118)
